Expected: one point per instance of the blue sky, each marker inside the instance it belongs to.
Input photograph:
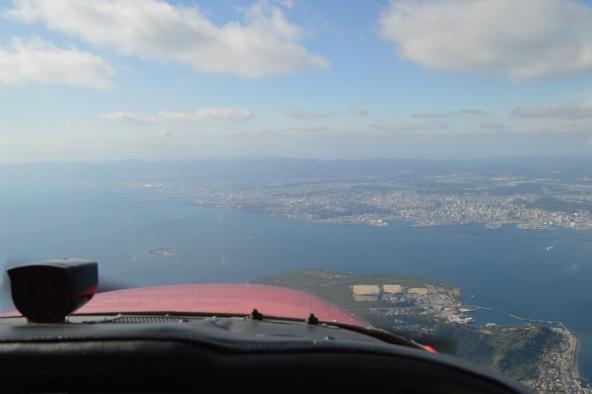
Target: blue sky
(103, 80)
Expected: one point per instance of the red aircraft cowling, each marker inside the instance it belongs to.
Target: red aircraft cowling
(233, 299)
(230, 299)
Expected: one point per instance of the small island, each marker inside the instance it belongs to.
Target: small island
(167, 251)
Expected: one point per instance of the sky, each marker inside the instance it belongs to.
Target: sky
(97, 80)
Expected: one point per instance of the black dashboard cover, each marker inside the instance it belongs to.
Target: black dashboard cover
(177, 354)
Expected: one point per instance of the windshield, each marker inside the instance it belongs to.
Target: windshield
(424, 165)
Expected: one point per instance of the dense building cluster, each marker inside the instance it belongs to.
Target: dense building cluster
(493, 201)
(379, 202)
(557, 369)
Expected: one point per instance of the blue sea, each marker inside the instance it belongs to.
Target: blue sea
(539, 274)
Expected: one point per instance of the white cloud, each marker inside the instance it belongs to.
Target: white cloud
(287, 3)
(440, 115)
(163, 133)
(129, 117)
(308, 129)
(522, 39)
(359, 110)
(199, 115)
(429, 115)
(405, 126)
(470, 112)
(12, 141)
(554, 111)
(210, 113)
(251, 132)
(295, 113)
(40, 61)
(493, 126)
(267, 44)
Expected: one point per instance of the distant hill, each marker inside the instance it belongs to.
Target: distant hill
(569, 167)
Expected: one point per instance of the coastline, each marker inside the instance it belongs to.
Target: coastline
(576, 359)
(572, 352)
(383, 220)
(575, 367)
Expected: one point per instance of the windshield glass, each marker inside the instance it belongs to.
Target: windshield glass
(424, 165)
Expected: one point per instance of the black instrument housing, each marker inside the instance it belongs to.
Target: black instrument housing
(48, 291)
